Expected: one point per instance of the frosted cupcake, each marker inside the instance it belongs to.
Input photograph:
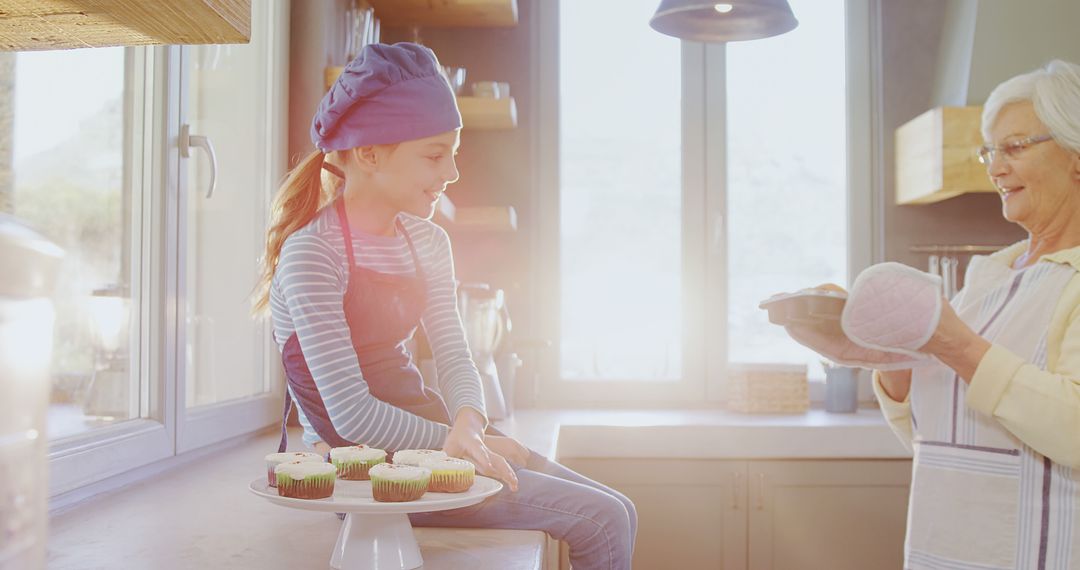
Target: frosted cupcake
(353, 462)
(415, 456)
(450, 475)
(275, 459)
(305, 480)
(398, 483)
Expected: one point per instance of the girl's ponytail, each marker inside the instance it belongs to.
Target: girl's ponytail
(295, 205)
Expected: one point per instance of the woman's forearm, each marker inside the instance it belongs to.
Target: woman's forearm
(957, 346)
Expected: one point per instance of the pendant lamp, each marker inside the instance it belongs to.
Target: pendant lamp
(728, 21)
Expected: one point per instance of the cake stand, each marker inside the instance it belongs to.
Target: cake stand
(377, 536)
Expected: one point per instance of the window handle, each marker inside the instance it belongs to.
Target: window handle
(188, 140)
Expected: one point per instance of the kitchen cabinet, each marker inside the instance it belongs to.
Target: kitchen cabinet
(832, 514)
(936, 156)
(477, 113)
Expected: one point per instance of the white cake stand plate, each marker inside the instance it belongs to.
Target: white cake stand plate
(377, 536)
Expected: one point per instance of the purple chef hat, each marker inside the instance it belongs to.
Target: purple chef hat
(388, 94)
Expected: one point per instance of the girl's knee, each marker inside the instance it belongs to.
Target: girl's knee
(618, 514)
(628, 506)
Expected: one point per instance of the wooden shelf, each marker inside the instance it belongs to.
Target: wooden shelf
(477, 113)
(936, 158)
(475, 218)
(487, 113)
(27, 25)
(447, 13)
(486, 219)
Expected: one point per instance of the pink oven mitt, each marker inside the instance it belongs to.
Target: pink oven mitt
(892, 307)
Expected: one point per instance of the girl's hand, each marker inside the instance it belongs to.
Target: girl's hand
(508, 447)
(466, 441)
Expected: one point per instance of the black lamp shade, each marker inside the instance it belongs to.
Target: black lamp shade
(701, 21)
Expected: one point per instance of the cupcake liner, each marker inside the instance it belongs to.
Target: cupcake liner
(310, 487)
(389, 491)
(356, 470)
(271, 477)
(451, 481)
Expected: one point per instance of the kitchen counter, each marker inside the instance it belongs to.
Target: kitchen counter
(199, 514)
(705, 434)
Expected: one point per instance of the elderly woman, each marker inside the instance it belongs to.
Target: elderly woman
(994, 418)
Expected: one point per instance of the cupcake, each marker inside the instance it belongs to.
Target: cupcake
(450, 475)
(415, 456)
(397, 483)
(353, 462)
(275, 459)
(305, 480)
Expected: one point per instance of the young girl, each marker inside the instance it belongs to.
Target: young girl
(349, 275)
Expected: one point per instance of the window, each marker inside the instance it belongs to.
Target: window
(70, 160)
(787, 176)
(155, 352)
(690, 182)
(620, 195)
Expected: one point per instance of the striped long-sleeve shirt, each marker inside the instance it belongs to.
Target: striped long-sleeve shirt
(306, 297)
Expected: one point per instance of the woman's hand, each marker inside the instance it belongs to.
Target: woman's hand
(466, 441)
(836, 346)
(955, 344)
(508, 447)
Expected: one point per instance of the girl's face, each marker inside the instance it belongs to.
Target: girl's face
(411, 176)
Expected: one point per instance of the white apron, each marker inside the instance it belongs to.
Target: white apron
(981, 498)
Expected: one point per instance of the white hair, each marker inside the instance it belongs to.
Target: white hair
(1054, 91)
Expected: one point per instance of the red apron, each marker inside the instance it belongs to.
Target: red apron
(382, 312)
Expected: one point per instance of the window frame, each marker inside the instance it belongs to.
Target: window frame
(105, 452)
(704, 172)
(102, 459)
(212, 423)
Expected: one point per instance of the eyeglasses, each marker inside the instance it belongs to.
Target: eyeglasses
(1010, 149)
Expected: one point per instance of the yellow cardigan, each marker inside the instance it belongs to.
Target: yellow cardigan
(1040, 407)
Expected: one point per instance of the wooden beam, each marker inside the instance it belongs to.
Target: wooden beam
(27, 25)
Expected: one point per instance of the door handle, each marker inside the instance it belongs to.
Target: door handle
(188, 140)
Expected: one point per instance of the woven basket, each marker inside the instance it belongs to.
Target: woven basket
(767, 388)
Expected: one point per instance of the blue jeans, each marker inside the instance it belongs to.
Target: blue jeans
(598, 522)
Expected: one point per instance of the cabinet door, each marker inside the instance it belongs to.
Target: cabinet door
(828, 515)
(691, 513)
(232, 139)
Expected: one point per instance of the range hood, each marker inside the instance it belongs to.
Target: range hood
(983, 42)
